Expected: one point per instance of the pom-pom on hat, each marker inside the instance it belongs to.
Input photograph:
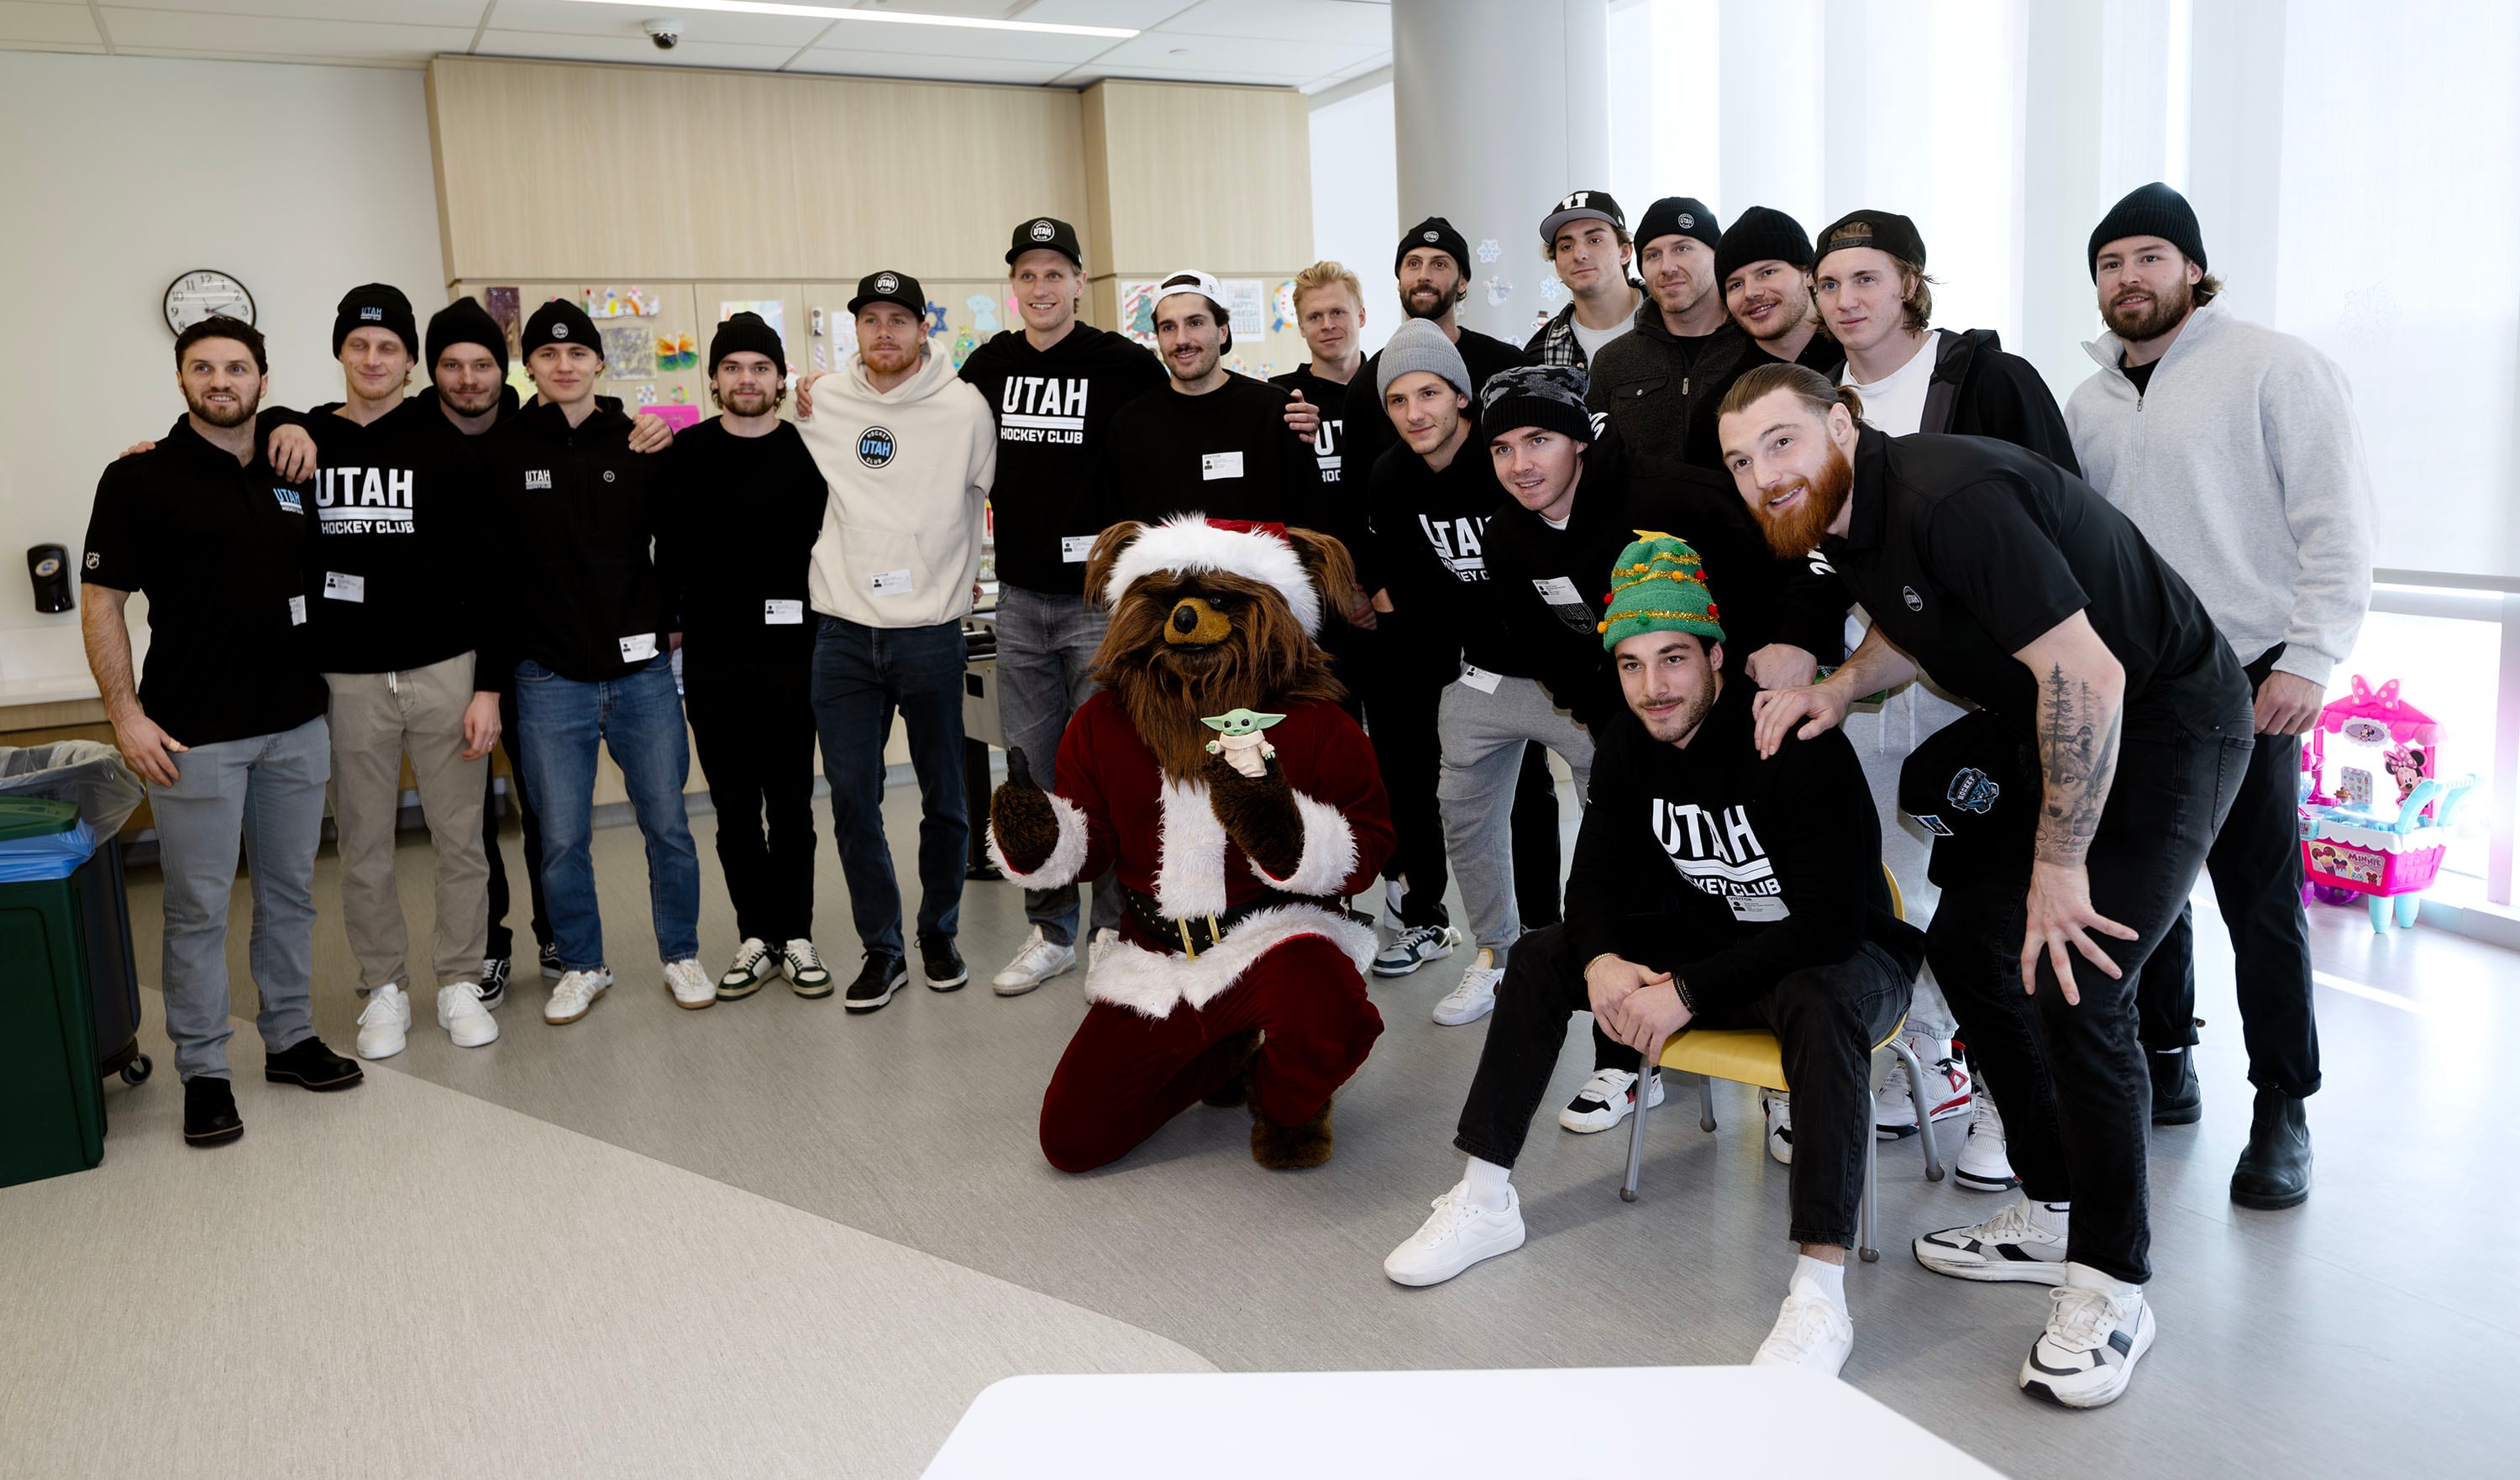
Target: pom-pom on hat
(1659, 585)
(1192, 544)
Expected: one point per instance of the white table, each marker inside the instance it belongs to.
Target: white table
(1553, 1423)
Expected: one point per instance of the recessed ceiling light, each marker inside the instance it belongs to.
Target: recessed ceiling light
(850, 13)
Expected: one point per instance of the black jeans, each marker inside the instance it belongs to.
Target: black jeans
(1827, 1019)
(503, 941)
(752, 718)
(2071, 1080)
(1400, 721)
(1537, 857)
(2256, 864)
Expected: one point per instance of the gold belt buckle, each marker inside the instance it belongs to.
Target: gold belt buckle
(1183, 928)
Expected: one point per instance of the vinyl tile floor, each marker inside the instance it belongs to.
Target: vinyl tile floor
(799, 1241)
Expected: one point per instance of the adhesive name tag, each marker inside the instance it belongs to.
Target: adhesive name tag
(639, 649)
(1480, 678)
(1075, 547)
(344, 588)
(1558, 590)
(298, 611)
(1758, 908)
(779, 613)
(890, 583)
(1220, 465)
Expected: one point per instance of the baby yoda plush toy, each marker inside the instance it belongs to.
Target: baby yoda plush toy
(1240, 741)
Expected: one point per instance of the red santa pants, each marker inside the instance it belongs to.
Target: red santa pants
(1125, 1074)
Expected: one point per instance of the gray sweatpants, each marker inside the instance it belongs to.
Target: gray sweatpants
(1483, 735)
(266, 791)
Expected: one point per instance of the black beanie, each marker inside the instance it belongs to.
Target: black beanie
(559, 322)
(378, 304)
(2151, 211)
(1762, 234)
(1439, 234)
(1550, 396)
(1680, 216)
(465, 322)
(743, 333)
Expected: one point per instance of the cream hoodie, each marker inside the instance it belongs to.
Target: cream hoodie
(909, 472)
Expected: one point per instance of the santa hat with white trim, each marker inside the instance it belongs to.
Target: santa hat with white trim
(1192, 544)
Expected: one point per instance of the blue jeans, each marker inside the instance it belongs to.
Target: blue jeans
(1045, 649)
(639, 718)
(862, 675)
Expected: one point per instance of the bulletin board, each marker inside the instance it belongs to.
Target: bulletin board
(656, 345)
(1266, 340)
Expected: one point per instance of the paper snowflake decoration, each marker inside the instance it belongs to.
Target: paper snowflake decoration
(1489, 251)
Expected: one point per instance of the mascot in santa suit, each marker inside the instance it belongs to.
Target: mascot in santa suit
(1238, 978)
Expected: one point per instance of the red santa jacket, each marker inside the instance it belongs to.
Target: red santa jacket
(1116, 809)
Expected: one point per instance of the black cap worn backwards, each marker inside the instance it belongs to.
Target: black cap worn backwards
(1880, 230)
(559, 322)
(1762, 234)
(1044, 233)
(1581, 206)
(891, 288)
(2152, 211)
(465, 322)
(1437, 233)
(1680, 216)
(747, 332)
(378, 304)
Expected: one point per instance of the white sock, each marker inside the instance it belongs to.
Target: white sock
(1820, 1274)
(2048, 1217)
(1486, 1183)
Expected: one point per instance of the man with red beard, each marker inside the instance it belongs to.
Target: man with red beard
(2024, 591)
(2234, 446)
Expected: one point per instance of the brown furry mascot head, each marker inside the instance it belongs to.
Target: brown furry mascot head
(1210, 615)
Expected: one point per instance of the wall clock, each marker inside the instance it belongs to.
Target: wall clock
(202, 293)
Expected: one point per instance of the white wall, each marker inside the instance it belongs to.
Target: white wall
(123, 172)
(1356, 198)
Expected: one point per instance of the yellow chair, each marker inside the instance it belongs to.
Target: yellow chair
(1754, 1056)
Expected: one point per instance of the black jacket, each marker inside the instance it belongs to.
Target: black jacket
(1979, 390)
(1661, 390)
(1053, 408)
(585, 586)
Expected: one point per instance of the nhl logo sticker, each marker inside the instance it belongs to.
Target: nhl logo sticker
(875, 446)
(886, 283)
(1043, 231)
(1914, 601)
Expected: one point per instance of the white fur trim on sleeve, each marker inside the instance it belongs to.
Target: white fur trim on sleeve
(1065, 861)
(1330, 851)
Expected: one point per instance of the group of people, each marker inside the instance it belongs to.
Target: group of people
(1633, 543)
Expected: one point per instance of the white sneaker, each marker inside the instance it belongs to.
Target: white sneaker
(2097, 1330)
(1947, 1080)
(1811, 1332)
(385, 1023)
(2006, 1246)
(1780, 1107)
(1038, 961)
(1104, 940)
(1983, 1166)
(1460, 1235)
(575, 993)
(807, 976)
(1476, 997)
(1414, 948)
(461, 1013)
(1606, 1099)
(752, 965)
(690, 985)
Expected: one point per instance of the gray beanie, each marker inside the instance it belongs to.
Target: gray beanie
(1420, 345)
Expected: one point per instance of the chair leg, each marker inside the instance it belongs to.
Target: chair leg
(1705, 1103)
(1865, 1247)
(1917, 1097)
(1636, 1133)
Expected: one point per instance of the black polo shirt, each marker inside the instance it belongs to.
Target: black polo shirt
(216, 547)
(1966, 549)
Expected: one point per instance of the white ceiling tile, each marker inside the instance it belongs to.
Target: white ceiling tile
(865, 64)
(463, 12)
(1349, 22)
(1129, 14)
(958, 41)
(1224, 57)
(562, 18)
(633, 48)
(190, 31)
(47, 24)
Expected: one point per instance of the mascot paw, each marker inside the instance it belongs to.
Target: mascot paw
(1258, 813)
(1023, 818)
(1290, 1149)
(1237, 1088)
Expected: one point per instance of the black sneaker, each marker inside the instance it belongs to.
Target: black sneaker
(494, 981)
(944, 963)
(553, 971)
(880, 978)
(308, 1062)
(210, 1112)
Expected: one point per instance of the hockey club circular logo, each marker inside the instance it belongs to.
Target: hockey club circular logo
(1043, 231)
(886, 283)
(560, 331)
(1687, 220)
(93, 560)
(607, 475)
(1915, 603)
(875, 446)
(1434, 235)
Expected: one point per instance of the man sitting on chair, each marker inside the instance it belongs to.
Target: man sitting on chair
(1713, 888)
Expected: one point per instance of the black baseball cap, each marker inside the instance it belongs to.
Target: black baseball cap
(1581, 206)
(890, 286)
(1046, 233)
(1882, 230)
(1439, 234)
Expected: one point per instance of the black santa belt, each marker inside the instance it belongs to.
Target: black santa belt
(1200, 932)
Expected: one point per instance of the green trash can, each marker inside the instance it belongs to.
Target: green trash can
(52, 1102)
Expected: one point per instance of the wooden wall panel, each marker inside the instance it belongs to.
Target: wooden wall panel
(1217, 177)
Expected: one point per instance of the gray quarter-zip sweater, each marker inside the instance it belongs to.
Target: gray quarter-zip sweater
(2242, 463)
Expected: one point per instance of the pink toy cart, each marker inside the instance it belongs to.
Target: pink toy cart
(2383, 829)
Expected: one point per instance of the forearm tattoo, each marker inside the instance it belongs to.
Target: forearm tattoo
(2078, 750)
